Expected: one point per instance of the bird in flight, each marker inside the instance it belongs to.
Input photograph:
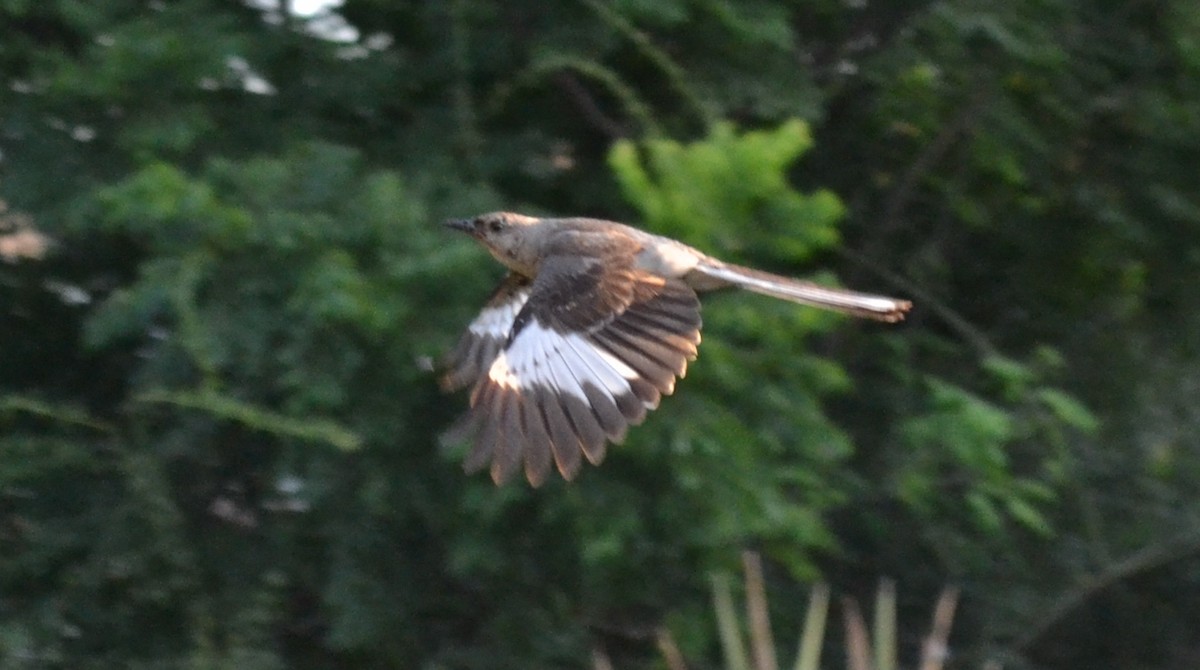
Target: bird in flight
(590, 328)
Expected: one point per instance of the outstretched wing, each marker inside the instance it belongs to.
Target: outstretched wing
(596, 344)
(486, 335)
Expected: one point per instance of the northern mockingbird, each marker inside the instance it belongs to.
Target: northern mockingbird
(588, 331)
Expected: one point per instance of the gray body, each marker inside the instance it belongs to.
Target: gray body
(522, 243)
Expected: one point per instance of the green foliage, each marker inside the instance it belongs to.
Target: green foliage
(730, 190)
(963, 444)
(218, 427)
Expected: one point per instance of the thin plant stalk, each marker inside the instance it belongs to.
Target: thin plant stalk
(808, 657)
(858, 645)
(936, 649)
(670, 650)
(727, 624)
(885, 626)
(762, 643)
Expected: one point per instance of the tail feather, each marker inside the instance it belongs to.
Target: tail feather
(880, 308)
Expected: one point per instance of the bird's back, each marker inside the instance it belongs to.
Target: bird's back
(660, 256)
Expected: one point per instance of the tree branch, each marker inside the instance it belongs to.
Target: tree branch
(1143, 560)
(586, 103)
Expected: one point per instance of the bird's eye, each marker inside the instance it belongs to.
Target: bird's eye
(495, 225)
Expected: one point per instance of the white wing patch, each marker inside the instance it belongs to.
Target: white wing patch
(561, 363)
(478, 348)
(498, 320)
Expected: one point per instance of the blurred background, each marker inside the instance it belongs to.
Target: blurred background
(222, 281)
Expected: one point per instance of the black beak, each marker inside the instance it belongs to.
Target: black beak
(465, 225)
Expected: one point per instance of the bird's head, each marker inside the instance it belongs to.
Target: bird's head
(512, 238)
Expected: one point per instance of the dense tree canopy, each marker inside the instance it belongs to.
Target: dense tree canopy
(222, 286)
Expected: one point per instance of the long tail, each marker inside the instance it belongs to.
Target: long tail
(868, 306)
